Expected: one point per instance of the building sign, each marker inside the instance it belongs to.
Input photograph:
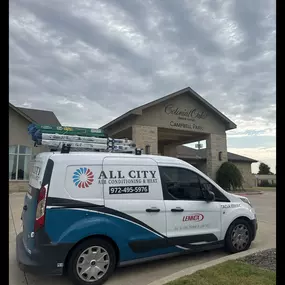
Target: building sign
(185, 118)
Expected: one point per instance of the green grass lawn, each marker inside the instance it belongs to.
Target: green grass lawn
(229, 273)
(260, 189)
(265, 188)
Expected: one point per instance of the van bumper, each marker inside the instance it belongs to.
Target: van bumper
(254, 228)
(39, 262)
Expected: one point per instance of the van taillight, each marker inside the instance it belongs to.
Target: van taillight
(41, 208)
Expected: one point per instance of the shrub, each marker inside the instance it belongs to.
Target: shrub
(229, 177)
(264, 169)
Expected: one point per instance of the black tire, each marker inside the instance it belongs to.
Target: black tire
(81, 248)
(230, 244)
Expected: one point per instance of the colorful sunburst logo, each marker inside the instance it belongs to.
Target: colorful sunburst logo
(83, 177)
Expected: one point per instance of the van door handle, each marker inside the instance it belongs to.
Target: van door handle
(178, 209)
(154, 210)
(25, 208)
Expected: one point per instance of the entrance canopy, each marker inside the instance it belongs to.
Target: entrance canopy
(179, 118)
(182, 116)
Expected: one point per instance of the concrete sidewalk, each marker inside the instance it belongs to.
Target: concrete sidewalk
(15, 205)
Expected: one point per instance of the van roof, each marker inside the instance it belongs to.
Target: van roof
(101, 155)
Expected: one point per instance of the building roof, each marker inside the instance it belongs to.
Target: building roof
(185, 152)
(41, 117)
(138, 111)
(20, 112)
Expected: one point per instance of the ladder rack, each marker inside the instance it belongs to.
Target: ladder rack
(65, 139)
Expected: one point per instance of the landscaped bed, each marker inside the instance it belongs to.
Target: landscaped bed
(264, 259)
(256, 269)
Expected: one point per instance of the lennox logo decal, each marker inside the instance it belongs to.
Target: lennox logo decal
(194, 217)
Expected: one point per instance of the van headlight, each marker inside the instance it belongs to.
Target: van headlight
(246, 200)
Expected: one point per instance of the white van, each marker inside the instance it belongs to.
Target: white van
(86, 213)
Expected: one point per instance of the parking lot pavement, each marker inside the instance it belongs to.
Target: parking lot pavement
(265, 206)
(143, 274)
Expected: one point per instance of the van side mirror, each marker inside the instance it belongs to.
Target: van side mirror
(209, 196)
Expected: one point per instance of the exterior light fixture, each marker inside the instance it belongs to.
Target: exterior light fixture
(220, 155)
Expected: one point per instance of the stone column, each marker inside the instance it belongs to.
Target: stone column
(145, 135)
(215, 145)
(170, 150)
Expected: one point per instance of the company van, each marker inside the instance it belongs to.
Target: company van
(87, 213)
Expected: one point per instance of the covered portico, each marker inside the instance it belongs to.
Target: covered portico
(173, 120)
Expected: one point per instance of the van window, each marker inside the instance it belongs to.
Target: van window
(180, 183)
(38, 166)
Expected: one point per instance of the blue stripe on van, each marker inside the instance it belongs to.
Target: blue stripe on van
(70, 203)
(70, 225)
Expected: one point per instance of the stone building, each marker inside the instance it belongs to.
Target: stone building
(21, 147)
(165, 124)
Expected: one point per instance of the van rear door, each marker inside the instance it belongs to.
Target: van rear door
(37, 170)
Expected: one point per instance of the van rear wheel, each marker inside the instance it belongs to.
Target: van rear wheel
(92, 262)
(239, 236)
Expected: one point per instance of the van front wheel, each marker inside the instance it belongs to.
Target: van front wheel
(239, 236)
(92, 262)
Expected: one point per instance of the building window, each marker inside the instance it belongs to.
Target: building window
(19, 160)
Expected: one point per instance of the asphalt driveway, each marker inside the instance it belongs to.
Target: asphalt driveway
(144, 274)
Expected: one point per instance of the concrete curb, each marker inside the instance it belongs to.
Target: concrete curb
(19, 191)
(249, 193)
(193, 269)
(17, 194)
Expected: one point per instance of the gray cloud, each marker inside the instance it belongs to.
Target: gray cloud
(90, 61)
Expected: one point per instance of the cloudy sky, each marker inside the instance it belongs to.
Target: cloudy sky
(89, 61)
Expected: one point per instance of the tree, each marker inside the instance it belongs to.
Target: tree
(229, 177)
(264, 169)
